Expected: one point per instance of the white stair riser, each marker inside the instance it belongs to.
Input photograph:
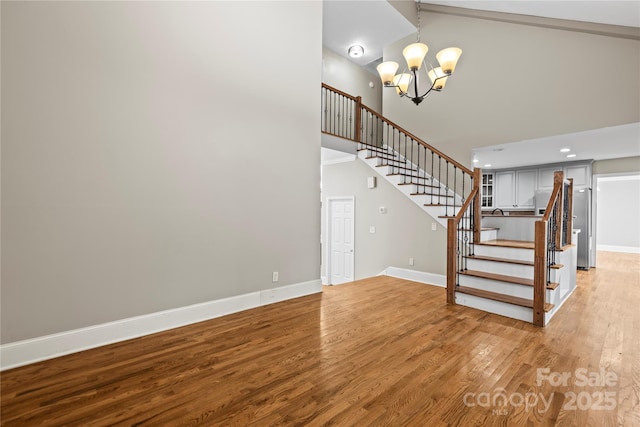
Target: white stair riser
(488, 235)
(504, 252)
(505, 288)
(484, 236)
(508, 269)
(497, 307)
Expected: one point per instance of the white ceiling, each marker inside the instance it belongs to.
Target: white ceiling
(599, 144)
(371, 24)
(375, 24)
(625, 13)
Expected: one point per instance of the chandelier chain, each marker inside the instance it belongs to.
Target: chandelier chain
(418, 9)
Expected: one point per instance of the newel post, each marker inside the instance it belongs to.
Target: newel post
(558, 179)
(452, 260)
(477, 201)
(539, 272)
(569, 208)
(358, 130)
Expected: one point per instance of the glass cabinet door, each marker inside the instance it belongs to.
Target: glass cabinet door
(487, 190)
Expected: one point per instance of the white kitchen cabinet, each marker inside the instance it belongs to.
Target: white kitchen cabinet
(516, 189)
(487, 194)
(546, 177)
(581, 175)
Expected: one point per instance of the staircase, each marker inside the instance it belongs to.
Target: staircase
(434, 197)
(485, 270)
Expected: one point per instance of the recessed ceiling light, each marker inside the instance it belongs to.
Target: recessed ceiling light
(356, 51)
(565, 150)
(488, 165)
(475, 160)
(570, 155)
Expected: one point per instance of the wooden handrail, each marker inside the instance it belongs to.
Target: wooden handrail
(419, 141)
(339, 92)
(359, 104)
(465, 205)
(552, 201)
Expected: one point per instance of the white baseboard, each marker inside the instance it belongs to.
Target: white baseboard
(416, 276)
(33, 350)
(611, 248)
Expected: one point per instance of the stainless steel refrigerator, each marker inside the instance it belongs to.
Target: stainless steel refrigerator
(581, 220)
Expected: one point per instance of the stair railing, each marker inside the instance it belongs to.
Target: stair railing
(446, 182)
(462, 234)
(552, 233)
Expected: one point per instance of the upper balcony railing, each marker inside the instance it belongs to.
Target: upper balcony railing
(433, 172)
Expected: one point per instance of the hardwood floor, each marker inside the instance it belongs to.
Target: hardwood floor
(380, 351)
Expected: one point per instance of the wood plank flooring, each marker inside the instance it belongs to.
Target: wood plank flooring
(380, 351)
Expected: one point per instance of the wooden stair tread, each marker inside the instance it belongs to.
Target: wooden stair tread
(523, 302)
(496, 259)
(409, 176)
(429, 194)
(521, 244)
(498, 277)
(481, 229)
(397, 167)
(382, 155)
(557, 266)
(504, 278)
(417, 183)
(372, 148)
(377, 152)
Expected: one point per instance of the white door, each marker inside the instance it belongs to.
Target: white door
(341, 257)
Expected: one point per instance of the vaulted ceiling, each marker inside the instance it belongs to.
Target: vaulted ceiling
(522, 78)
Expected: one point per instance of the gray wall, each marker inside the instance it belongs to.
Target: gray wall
(623, 165)
(618, 213)
(517, 82)
(147, 156)
(403, 232)
(343, 74)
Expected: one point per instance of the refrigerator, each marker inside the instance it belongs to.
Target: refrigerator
(582, 220)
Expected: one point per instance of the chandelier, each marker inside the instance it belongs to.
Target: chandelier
(407, 83)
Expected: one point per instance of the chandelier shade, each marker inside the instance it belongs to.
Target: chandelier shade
(438, 78)
(414, 55)
(448, 58)
(387, 71)
(401, 82)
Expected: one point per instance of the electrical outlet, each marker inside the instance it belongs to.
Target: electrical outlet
(372, 229)
(434, 226)
(274, 278)
(410, 261)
